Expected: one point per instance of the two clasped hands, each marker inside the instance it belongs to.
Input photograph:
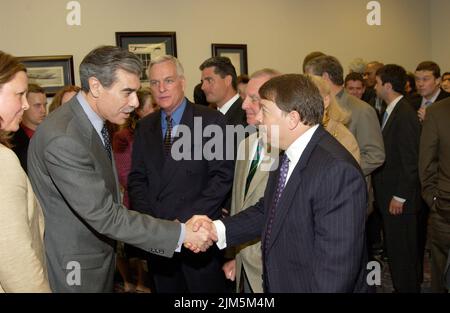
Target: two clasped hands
(200, 233)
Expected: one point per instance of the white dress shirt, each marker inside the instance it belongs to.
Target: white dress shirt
(224, 108)
(293, 152)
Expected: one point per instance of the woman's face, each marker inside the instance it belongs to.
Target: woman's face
(147, 108)
(13, 101)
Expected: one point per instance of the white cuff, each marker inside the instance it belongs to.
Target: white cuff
(222, 239)
(399, 199)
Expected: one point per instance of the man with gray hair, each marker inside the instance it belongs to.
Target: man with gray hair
(74, 176)
(364, 123)
(165, 186)
(250, 178)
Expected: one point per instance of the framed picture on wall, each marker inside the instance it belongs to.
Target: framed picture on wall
(237, 53)
(49, 72)
(148, 45)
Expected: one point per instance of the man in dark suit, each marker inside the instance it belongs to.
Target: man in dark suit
(312, 217)
(219, 82)
(173, 178)
(31, 119)
(428, 83)
(396, 183)
(434, 172)
(74, 176)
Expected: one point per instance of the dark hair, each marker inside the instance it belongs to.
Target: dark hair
(9, 67)
(412, 82)
(445, 74)
(327, 64)
(295, 92)
(309, 57)
(395, 75)
(430, 66)
(35, 88)
(57, 99)
(103, 63)
(222, 67)
(199, 95)
(354, 76)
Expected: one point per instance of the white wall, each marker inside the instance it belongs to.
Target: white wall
(440, 33)
(279, 33)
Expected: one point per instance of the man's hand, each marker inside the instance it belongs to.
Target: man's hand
(421, 113)
(200, 233)
(229, 268)
(395, 207)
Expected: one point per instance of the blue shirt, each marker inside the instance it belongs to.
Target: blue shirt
(176, 118)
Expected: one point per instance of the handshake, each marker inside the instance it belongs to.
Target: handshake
(200, 233)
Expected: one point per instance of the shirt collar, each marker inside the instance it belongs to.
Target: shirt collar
(295, 150)
(176, 115)
(224, 109)
(93, 117)
(392, 105)
(433, 98)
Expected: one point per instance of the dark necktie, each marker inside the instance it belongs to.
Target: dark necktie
(168, 135)
(106, 140)
(284, 167)
(253, 167)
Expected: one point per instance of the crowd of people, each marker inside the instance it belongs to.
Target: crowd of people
(322, 174)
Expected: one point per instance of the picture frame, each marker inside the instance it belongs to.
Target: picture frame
(50, 72)
(237, 53)
(148, 44)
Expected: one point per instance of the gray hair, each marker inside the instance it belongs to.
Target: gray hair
(167, 58)
(358, 65)
(103, 63)
(265, 72)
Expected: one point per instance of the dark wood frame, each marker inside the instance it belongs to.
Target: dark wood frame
(65, 61)
(124, 39)
(218, 48)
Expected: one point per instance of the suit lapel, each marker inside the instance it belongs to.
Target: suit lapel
(291, 188)
(97, 147)
(391, 117)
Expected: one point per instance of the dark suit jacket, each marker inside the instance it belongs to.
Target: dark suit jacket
(20, 142)
(398, 176)
(434, 160)
(171, 189)
(417, 101)
(235, 115)
(317, 240)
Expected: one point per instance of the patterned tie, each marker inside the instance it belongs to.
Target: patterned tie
(168, 136)
(284, 167)
(253, 167)
(427, 104)
(106, 140)
(385, 117)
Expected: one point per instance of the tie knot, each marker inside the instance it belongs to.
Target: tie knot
(168, 119)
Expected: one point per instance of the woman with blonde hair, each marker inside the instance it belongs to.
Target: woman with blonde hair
(335, 119)
(22, 260)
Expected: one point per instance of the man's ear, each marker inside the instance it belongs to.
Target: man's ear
(94, 86)
(228, 80)
(293, 119)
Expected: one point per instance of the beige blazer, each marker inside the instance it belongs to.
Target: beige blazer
(345, 138)
(249, 255)
(22, 259)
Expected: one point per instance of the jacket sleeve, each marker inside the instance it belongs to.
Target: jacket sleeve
(21, 269)
(428, 158)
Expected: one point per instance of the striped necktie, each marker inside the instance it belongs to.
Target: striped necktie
(253, 168)
(168, 136)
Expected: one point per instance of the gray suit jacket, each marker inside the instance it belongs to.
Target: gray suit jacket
(249, 255)
(365, 127)
(76, 184)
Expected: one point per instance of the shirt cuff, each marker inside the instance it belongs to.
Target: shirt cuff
(182, 237)
(399, 199)
(222, 239)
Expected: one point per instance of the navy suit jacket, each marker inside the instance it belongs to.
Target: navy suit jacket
(177, 189)
(317, 242)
